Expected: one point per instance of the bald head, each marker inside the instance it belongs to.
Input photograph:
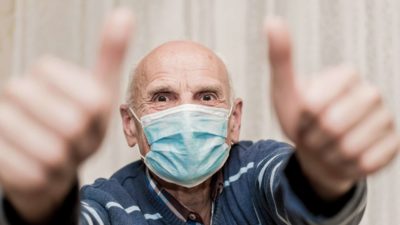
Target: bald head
(177, 62)
(175, 73)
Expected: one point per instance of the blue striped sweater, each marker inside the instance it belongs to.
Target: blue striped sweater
(256, 191)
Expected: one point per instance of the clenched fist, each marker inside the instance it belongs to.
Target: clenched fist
(341, 128)
(55, 117)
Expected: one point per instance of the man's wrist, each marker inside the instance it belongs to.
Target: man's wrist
(326, 183)
(66, 213)
(306, 192)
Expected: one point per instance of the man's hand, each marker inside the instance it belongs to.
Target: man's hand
(340, 126)
(55, 117)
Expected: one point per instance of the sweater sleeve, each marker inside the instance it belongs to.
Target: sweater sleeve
(3, 218)
(285, 196)
(93, 213)
(71, 212)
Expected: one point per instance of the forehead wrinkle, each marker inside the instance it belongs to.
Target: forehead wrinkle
(169, 54)
(210, 88)
(135, 85)
(160, 84)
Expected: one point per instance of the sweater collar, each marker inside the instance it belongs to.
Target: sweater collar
(182, 212)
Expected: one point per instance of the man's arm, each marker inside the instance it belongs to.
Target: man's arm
(66, 214)
(301, 189)
(302, 199)
(339, 124)
(51, 120)
(284, 195)
(70, 212)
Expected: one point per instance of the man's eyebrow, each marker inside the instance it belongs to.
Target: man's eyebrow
(210, 88)
(160, 89)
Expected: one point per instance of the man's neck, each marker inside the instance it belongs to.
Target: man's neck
(197, 199)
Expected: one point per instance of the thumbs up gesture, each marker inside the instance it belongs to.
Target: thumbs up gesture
(54, 118)
(338, 122)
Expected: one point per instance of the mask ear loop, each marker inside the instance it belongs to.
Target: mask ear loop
(137, 118)
(134, 115)
(227, 117)
(230, 112)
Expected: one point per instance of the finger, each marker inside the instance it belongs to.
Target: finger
(325, 89)
(283, 87)
(343, 168)
(71, 83)
(341, 116)
(280, 56)
(18, 172)
(377, 125)
(30, 138)
(114, 42)
(380, 154)
(327, 176)
(49, 109)
(88, 100)
(314, 138)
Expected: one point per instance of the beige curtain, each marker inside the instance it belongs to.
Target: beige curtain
(365, 33)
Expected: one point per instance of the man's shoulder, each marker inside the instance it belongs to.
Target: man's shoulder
(130, 171)
(120, 180)
(245, 154)
(126, 189)
(247, 158)
(245, 149)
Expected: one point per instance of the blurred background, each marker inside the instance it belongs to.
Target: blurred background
(364, 33)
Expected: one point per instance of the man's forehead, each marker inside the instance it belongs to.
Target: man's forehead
(176, 58)
(182, 56)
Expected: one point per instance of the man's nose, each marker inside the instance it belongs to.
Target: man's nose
(187, 98)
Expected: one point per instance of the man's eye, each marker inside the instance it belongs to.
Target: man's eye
(208, 97)
(161, 98)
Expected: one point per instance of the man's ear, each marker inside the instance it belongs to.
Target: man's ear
(129, 126)
(235, 121)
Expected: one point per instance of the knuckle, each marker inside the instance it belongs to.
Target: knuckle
(348, 150)
(346, 73)
(98, 102)
(389, 120)
(20, 91)
(365, 167)
(353, 74)
(349, 73)
(12, 88)
(308, 140)
(397, 145)
(329, 126)
(38, 181)
(57, 158)
(42, 65)
(311, 105)
(76, 125)
(373, 94)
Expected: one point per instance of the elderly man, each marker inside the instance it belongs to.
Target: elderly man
(183, 116)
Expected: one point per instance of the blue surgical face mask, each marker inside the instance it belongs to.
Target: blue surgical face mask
(187, 143)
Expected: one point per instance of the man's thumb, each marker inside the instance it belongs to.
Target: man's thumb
(283, 85)
(114, 42)
(280, 56)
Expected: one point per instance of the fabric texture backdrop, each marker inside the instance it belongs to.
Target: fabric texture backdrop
(364, 33)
